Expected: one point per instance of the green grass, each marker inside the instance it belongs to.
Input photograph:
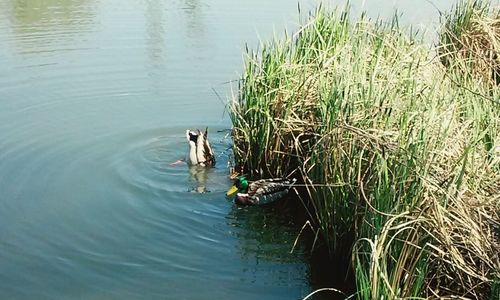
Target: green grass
(398, 155)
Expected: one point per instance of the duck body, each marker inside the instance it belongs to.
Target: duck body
(200, 152)
(260, 192)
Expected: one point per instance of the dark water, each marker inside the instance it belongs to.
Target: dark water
(95, 97)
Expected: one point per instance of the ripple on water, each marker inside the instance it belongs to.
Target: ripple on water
(130, 219)
(163, 197)
(150, 163)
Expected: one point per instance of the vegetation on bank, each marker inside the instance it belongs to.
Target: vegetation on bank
(397, 145)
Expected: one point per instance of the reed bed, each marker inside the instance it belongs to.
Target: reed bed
(399, 156)
(470, 41)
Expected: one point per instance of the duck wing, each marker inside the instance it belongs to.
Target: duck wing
(204, 152)
(268, 190)
(209, 154)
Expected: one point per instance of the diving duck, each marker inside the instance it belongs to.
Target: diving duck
(200, 152)
(259, 192)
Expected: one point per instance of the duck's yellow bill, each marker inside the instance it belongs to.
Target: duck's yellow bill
(232, 191)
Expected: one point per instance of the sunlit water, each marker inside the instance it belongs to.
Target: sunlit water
(95, 97)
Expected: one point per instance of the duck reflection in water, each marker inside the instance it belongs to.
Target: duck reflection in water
(200, 175)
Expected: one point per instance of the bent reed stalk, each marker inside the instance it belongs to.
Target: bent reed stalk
(400, 156)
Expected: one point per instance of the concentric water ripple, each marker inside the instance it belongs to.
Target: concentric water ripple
(146, 227)
(155, 164)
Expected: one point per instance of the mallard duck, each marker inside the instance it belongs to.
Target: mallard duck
(200, 152)
(259, 192)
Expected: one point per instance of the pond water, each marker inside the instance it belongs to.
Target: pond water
(95, 98)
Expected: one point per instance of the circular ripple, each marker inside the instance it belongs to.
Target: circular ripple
(150, 162)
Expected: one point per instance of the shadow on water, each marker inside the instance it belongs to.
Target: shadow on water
(325, 271)
(270, 233)
(267, 231)
(264, 237)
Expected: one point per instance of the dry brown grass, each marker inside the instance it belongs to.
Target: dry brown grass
(470, 41)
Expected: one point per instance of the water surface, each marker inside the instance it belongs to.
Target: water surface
(95, 97)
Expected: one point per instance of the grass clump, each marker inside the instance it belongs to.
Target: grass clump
(399, 157)
(470, 40)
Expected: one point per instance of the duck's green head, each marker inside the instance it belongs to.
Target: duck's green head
(240, 186)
